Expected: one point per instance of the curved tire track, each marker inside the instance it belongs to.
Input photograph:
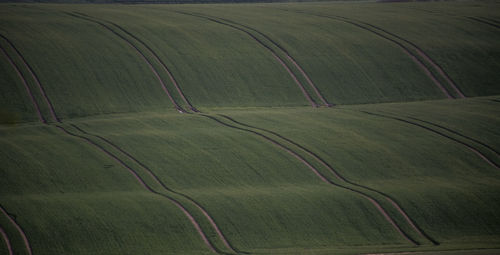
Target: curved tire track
(19, 229)
(28, 90)
(6, 240)
(304, 92)
(323, 178)
(143, 57)
(416, 60)
(157, 58)
(424, 55)
(486, 22)
(35, 78)
(459, 134)
(164, 66)
(476, 151)
(342, 178)
(144, 185)
(290, 58)
(158, 181)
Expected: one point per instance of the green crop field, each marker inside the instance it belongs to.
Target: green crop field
(253, 128)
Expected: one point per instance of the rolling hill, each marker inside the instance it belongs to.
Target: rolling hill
(292, 128)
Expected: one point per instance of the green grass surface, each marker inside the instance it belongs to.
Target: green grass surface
(219, 66)
(262, 198)
(392, 130)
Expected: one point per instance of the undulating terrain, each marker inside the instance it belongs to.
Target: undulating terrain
(279, 128)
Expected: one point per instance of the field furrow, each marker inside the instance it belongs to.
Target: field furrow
(36, 79)
(96, 159)
(343, 179)
(273, 53)
(6, 241)
(21, 232)
(162, 184)
(424, 56)
(165, 68)
(153, 70)
(470, 147)
(414, 58)
(23, 80)
(490, 148)
(483, 21)
(323, 178)
(290, 58)
(146, 186)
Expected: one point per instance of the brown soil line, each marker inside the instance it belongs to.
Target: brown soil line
(471, 148)
(144, 185)
(304, 92)
(6, 240)
(342, 178)
(309, 81)
(417, 61)
(482, 21)
(425, 56)
(19, 229)
(287, 54)
(163, 86)
(407, 52)
(308, 97)
(35, 78)
(28, 90)
(490, 20)
(162, 64)
(159, 182)
(459, 134)
(322, 177)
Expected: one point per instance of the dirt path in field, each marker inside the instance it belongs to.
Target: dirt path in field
(159, 182)
(282, 63)
(414, 58)
(425, 56)
(289, 57)
(163, 65)
(407, 52)
(471, 148)
(19, 229)
(143, 57)
(322, 177)
(35, 78)
(484, 21)
(6, 240)
(144, 185)
(459, 134)
(342, 178)
(28, 90)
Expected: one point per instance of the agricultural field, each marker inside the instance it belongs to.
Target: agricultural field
(256, 128)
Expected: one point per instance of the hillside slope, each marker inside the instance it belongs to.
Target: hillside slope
(236, 129)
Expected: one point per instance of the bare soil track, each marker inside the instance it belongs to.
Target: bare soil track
(484, 21)
(414, 58)
(159, 182)
(457, 133)
(138, 51)
(422, 54)
(342, 178)
(6, 241)
(290, 58)
(35, 78)
(470, 147)
(281, 61)
(19, 229)
(23, 80)
(322, 177)
(147, 187)
(163, 65)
